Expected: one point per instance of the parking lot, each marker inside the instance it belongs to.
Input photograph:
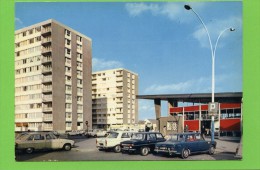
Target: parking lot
(86, 150)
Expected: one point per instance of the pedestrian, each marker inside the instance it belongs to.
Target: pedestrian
(186, 129)
(164, 130)
(203, 130)
(147, 129)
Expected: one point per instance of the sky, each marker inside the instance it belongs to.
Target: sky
(165, 44)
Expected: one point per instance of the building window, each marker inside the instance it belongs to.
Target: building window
(79, 56)
(38, 29)
(37, 39)
(31, 31)
(31, 41)
(67, 51)
(67, 32)
(68, 106)
(79, 38)
(67, 42)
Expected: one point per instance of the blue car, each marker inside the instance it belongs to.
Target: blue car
(142, 142)
(184, 144)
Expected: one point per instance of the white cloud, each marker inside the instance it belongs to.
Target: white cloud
(102, 64)
(19, 23)
(136, 9)
(191, 86)
(18, 20)
(200, 85)
(176, 12)
(214, 29)
(146, 109)
(173, 11)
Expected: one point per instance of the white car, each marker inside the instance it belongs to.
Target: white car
(112, 141)
(42, 141)
(76, 133)
(96, 133)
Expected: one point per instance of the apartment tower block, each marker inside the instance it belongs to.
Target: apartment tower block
(51, 60)
(114, 101)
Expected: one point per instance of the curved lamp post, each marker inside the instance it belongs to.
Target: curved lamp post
(213, 52)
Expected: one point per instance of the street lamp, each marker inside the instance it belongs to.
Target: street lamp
(213, 52)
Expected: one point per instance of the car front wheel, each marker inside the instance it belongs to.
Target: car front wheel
(211, 150)
(67, 147)
(117, 149)
(144, 151)
(185, 153)
(29, 150)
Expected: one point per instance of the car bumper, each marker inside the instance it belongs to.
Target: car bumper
(165, 151)
(103, 147)
(128, 149)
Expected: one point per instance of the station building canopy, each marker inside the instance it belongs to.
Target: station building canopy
(225, 97)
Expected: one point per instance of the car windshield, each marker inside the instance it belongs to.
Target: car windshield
(139, 136)
(174, 137)
(112, 135)
(20, 136)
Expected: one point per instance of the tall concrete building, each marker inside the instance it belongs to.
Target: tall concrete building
(114, 102)
(51, 60)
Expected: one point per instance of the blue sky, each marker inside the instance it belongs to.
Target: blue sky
(163, 43)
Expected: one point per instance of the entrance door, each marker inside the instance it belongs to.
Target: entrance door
(205, 126)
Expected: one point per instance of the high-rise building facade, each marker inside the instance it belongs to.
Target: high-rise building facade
(114, 100)
(51, 60)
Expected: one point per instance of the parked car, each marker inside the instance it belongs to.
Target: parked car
(42, 140)
(184, 144)
(112, 141)
(96, 133)
(143, 142)
(76, 133)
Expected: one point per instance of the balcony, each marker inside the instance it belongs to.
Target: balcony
(46, 51)
(119, 79)
(94, 82)
(67, 91)
(46, 30)
(46, 70)
(119, 95)
(119, 100)
(68, 73)
(80, 119)
(119, 74)
(68, 100)
(68, 110)
(119, 90)
(119, 84)
(47, 98)
(46, 41)
(68, 82)
(68, 119)
(47, 118)
(119, 105)
(47, 79)
(47, 109)
(47, 89)
(46, 60)
(68, 128)
(94, 87)
(47, 128)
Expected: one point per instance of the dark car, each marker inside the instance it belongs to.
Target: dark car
(142, 142)
(185, 144)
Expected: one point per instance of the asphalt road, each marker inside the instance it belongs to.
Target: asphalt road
(86, 151)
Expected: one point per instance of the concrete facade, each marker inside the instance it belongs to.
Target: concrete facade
(51, 60)
(114, 98)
